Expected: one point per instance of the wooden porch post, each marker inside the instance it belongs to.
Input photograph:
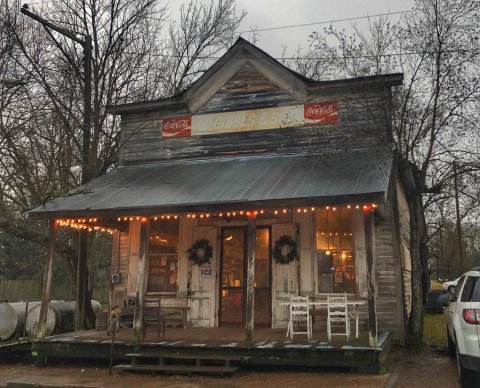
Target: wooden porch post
(82, 282)
(47, 281)
(370, 253)
(250, 301)
(141, 283)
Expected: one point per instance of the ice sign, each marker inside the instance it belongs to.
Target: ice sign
(206, 270)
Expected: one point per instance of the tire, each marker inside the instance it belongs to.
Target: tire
(468, 378)
(452, 350)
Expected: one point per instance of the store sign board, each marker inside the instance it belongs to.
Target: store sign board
(251, 120)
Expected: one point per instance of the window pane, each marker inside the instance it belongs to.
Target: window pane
(457, 288)
(163, 256)
(336, 262)
(262, 256)
(233, 246)
(471, 291)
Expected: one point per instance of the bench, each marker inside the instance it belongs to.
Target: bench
(177, 310)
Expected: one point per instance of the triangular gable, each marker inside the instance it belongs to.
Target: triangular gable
(245, 88)
(242, 59)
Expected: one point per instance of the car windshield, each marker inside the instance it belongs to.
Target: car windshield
(471, 291)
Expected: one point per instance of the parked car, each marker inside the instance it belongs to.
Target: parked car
(434, 302)
(450, 285)
(462, 316)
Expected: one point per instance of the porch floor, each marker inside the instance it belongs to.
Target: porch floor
(232, 335)
(270, 347)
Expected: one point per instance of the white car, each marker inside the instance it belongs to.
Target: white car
(450, 285)
(462, 316)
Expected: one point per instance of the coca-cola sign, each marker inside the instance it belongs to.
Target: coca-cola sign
(315, 113)
(177, 127)
(321, 113)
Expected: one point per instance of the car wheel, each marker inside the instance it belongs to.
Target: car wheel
(452, 351)
(468, 378)
(451, 289)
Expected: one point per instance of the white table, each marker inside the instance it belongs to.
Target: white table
(323, 303)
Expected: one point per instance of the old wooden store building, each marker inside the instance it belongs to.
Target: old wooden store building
(252, 186)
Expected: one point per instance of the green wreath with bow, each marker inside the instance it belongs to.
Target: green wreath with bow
(200, 252)
(285, 250)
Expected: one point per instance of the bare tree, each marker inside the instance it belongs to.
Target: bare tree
(137, 56)
(201, 33)
(435, 117)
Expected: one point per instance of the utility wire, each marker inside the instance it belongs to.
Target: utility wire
(327, 21)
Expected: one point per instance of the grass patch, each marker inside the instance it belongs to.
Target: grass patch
(434, 330)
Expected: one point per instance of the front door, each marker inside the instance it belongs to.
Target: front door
(233, 273)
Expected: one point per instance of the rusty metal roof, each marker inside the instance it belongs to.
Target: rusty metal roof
(238, 181)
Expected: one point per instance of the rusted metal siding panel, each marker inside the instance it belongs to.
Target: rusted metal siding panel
(231, 180)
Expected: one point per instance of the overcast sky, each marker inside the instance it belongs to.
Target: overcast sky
(275, 13)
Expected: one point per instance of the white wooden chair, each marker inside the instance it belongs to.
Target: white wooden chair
(300, 320)
(338, 319)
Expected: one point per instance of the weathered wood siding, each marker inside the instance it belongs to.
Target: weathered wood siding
(306, 250)
(185, 241)
(388, 307)
(362, 124)
(360, 253)
(247, 89)
(123, 259)
(404, 221)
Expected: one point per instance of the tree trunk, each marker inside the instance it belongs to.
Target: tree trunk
(418, 252)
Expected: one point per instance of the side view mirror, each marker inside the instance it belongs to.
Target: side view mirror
(451, 290)
(443, 299)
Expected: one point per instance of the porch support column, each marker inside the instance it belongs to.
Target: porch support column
(141, 283)
(83, 310)
(250, 301)
(47, 281)
(370, 253)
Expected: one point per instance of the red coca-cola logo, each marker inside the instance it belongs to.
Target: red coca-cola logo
(177, 127)
(321, 112)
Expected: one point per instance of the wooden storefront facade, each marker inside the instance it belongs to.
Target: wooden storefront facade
(252, 152)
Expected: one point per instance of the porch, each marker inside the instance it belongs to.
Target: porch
(270, 347)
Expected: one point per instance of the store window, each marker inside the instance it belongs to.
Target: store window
(163, 256)
(335, 254)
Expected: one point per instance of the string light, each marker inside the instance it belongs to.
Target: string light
(85, 224)
(81, 224)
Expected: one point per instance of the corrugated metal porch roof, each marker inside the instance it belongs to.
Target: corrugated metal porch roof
(237, 181)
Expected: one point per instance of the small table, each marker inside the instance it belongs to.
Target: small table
(353, 303)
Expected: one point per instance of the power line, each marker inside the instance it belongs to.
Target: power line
(327, 21)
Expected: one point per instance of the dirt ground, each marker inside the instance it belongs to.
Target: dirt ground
(422, 369)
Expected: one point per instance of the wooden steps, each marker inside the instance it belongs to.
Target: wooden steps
(180, 363)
